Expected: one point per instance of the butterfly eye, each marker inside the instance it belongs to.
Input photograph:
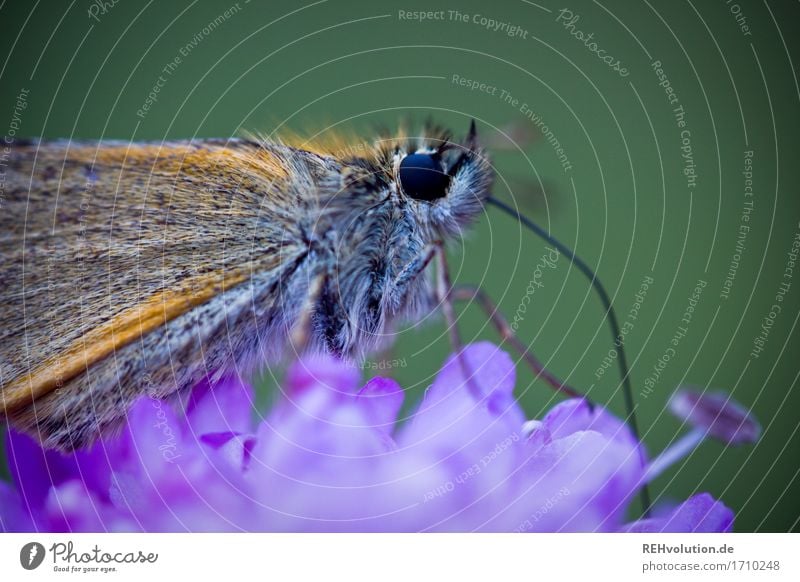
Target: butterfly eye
(422, 177)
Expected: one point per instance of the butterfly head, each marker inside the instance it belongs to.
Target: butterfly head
(443, 182)
(427, 176)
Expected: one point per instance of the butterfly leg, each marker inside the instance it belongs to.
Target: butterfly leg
(444, 294)
(301, 332)
(474, 293)
(444, 298)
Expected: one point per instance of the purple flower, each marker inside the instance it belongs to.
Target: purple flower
(332, 457)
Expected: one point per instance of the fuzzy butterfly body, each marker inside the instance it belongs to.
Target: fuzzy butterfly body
(132, 268)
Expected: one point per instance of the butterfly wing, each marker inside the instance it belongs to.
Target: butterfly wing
(104, 243)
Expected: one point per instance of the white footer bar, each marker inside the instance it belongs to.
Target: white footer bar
(401, 557)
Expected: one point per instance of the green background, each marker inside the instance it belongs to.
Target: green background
(625, 204)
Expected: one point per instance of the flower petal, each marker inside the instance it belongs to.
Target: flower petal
(225, 407)
(14, 513)
(700, 513)
(381, 399)
(35, 470)
(450, 409)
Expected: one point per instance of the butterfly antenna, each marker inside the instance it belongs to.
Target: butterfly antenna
(627, 389)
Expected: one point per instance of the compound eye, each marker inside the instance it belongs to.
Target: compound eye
(423, 178)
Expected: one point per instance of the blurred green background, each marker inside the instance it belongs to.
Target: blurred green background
(85, 68)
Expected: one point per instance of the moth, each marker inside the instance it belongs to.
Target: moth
(144, 268)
